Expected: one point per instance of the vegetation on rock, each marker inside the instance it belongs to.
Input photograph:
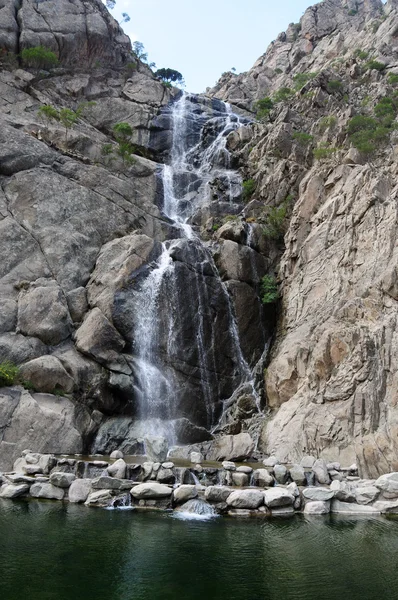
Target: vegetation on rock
(39, 57)
(8, 373)
(269, 290)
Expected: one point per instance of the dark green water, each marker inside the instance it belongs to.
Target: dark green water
(50, 551)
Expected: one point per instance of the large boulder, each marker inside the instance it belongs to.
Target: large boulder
(217, 493)
(249, 499)
(13, 490)
(156, 448)
(151, 490)
(62, 480)
(317, 507)
(43, 313)
(231, 447)
(388, 483)
(47, 374)
(79, 490)
(117, 469)
(183, 493)
(47, 490)
(278, 496)
(42, 422)
(318, 494)
(262, 478)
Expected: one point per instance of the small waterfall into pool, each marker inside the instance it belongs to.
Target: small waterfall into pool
(182, 307)
(195, 509)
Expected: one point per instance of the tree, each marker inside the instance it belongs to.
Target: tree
(125, 19)
(110, 4)
(170, 76)
(125, 149)
(139, 51)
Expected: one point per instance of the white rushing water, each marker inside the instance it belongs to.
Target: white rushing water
(194, 164)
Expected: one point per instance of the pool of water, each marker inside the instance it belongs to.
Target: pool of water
(55, 551)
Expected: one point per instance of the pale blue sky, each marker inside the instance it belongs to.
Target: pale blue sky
(203, 38)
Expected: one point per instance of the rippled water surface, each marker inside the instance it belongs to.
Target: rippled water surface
(50, 551)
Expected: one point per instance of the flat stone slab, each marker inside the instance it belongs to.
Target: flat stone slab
(319, 494)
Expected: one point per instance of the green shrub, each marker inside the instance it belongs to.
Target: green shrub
(122, 131)
(334, 85)
(327, 123)
(283, 94)
(269, 290)
(263, 107)
(39, 57)
(274, 227)
(49, 112)
(8, 373)
(107, 149)
(302, 138)
(386, 111)
(215, 227)
(324, 151)
(249, 187)
(352, 12)
(361, 54)
(229, 218)
(301, 79)
(392, 78)
(375, 26)
(278, 71)
(374, 64)
(366, 133)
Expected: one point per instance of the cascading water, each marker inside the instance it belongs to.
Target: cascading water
(182, 306)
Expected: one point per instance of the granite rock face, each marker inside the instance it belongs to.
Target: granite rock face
(331, 380)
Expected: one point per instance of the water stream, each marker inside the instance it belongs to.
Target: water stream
(177, 323)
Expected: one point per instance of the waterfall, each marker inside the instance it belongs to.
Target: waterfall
(195, 509)
(182, 306)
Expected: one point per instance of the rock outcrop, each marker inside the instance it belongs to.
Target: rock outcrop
(331, 381)
(82, 227)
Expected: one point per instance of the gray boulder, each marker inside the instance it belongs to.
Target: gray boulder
(117, 469)
(100, 498)
(388, 483)
(297, 474)
(318, 494)
(366, 494)
(47, 490)
(317, 507)
(278, 497)
(249, 499)
(62, 480)
(231, 447)
(79, 490)
(321, 471)
(184, 492)
(217, 493)
(280, 474)
(152, 490)
(156, 448)
(262, 478)
(13, 490)
(116, 454)
(106, 483)
(47, 374)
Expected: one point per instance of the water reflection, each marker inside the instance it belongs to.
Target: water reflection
(50, 551)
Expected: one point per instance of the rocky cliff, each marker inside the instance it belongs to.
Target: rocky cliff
(99, 247)
(83, 231)
(332, 379)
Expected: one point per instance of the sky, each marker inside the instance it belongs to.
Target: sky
(203, 38)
